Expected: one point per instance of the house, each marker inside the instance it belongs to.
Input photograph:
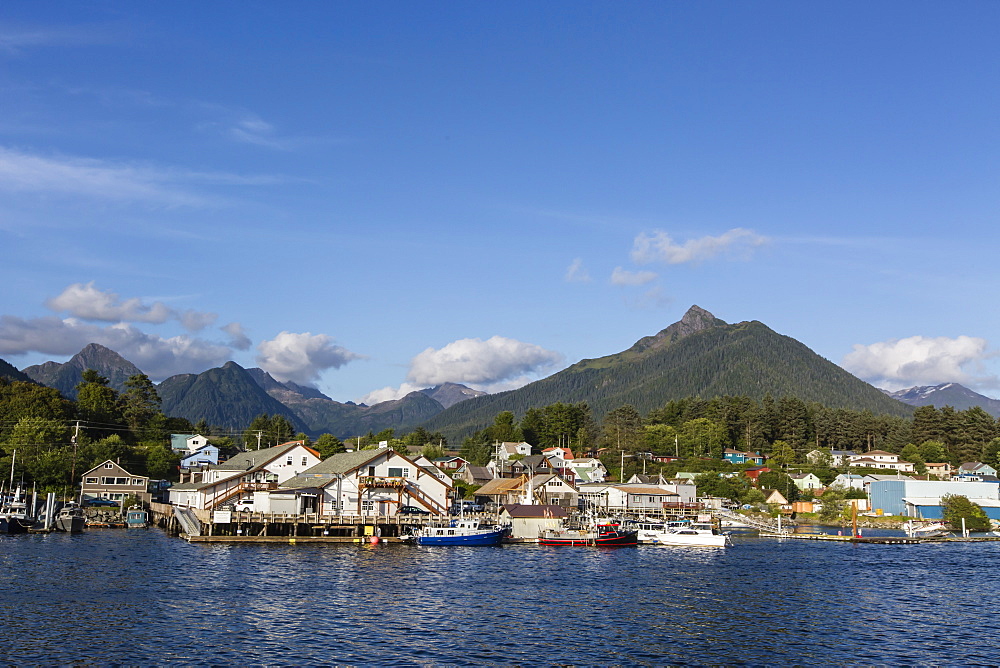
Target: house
(754, 472)
(626, 497)
(773, 496)
(880, 459)
(366, 483)
(450, 464)
(205, 455)
(837, 457)
(474, 475)
(181, 443)
(242, 475)
(587, 469)
(529, 521)
(806, 481)
(561, 454)
(544, 489)
(739, 457)
(976, 469)
(531, 465)
(109, 480)
(506, 450)
(849, 481)
(941, 470)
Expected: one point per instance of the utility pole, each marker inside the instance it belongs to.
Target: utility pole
(259, 434)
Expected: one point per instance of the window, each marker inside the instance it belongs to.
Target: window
(288, 462)
(136, 481)
(90, 481)
(109, 465)
(305, 461)
(399, 472)
(367, 506)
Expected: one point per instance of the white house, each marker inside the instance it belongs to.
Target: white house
(627, 497)
(246, 473)
(375, 482)
(507, 449)
(587, 469)
(880, 459)
(543, 489)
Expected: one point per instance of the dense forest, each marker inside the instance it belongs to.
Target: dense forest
(57, 439)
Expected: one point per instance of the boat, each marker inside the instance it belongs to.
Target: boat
(70, 518)
(459, 532)
(925, 529)
(649, 530)
(14, 515)
(696, 533)
(136, 518)
(600, 535)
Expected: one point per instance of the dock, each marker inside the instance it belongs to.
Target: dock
(882, 540)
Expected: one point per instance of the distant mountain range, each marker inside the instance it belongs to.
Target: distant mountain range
(957, 396)
(700, 355)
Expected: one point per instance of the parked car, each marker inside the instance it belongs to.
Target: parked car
(101, 503)
(412, 510)
(466, 506)
(243, 506)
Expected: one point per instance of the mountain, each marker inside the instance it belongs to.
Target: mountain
(700, 355)
(320, 414)
(10, 372)
(450, 394)
(65, 377)
(228, 396)
(946, 394)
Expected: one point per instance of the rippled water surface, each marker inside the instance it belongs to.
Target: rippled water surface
(140, 598)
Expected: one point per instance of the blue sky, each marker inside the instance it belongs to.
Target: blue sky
(376, 197)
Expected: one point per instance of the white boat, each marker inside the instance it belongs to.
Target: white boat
(649, 530)
(70, 518)
(925, 529)
(696, 533)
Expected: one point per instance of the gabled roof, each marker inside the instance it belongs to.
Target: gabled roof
(520, 511)
(345, 462)
(643, 489)
(114, 465)
(879, 452)
(500, 486)
(252, 459)
(479, 472)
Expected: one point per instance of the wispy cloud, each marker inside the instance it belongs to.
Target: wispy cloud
(123, 182)
(14, 40)
(577, 273)
(624, 277)
(658, 246)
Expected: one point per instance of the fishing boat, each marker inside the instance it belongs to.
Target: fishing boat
(915, 529)
(600, 535)
(649, 530)
(14, 515)
(697, 533)
(459, 532)
(136, 518)
(70, 518)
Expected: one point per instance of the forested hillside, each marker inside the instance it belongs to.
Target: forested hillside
(699, 356)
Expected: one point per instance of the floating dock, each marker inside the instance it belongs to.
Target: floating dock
(882, 540)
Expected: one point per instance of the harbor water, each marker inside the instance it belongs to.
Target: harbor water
(134, 597)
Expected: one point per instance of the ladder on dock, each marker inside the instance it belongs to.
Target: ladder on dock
(770, 526)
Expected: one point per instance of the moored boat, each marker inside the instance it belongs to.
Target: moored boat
(15, 516)
(460, 532)
(600, 535)
(916, 529)
(697, 534)
(70, 518)
(136, 518)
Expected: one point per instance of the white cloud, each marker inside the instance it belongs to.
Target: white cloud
(577, 273)
(85, 301)
(625, 277)
(389, 393)
(478, 362)
(903, 363)
(302, 357)
(158, 357)
(237, 337)
(658, 246)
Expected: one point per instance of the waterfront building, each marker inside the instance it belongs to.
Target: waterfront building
(109, 480)
(543, 489)
(922, 498)
(629, 498)
(379, 482)
(248, 472)
(529, 521)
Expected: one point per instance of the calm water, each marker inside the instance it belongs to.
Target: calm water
(140, 598)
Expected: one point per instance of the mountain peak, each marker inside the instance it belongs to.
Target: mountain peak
(695, 320)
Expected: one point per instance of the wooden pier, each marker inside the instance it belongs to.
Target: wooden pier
(882, 540)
